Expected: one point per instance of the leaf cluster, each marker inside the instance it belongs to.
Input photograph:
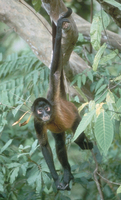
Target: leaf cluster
(19, 77)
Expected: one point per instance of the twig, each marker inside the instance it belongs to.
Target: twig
(95, 177)
(107, 181)
(115, 85)
(12, 107)
(39, 167)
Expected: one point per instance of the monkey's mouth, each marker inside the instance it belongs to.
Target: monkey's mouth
(45, 119)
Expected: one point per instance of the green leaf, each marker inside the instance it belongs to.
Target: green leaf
(99, 83)
(3, 121)
(23, 154)
(13, 165)
(79, 81)
(82, 94)
(1, 182)
(90, 76)
(83, 79)
(24, 168)
(80, 37)
(14, 111)
(118, 104)
(119, 190)
(110, 98)
(114, 3)
(21, 148)
(74, 81)
(36, 4)
(33, 176)
(101, 89)
(83, 124)
(6, 145)
(4, 97)
(118, 78)
(105, 19)
(14, 174)
(104, 132)
(108, 57)
(34, 147)
(1, 188)
(1, 56)
(95, 32)
(101, 97)
(39, 183)
(35, 77)
(98, 56)
(100, 21)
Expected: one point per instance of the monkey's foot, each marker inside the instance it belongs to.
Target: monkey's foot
(65, 185)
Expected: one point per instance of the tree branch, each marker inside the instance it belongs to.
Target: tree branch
(83, 26)
(107, 181)
(36, 31)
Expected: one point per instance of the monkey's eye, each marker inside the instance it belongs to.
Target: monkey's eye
(39, 111)
(47, 109)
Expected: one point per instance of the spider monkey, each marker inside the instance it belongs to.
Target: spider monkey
(57, 114)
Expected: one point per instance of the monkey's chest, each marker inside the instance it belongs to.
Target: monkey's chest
(63, 118)
(61, 124)
(55, 128)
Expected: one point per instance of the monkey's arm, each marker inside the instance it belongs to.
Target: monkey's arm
(46, 150)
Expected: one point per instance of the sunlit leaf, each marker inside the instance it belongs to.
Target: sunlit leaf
(104, 131)
(83, 124)
(119, 190)
(98, 56)
(108, 57)
(100, 21)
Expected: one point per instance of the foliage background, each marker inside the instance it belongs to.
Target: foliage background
(23, 172)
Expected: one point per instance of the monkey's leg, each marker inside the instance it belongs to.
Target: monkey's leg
(62, 156)
(81, 140)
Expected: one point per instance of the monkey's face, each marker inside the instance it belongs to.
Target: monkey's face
(43, 111)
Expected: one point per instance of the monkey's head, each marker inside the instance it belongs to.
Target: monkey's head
(42, 109)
